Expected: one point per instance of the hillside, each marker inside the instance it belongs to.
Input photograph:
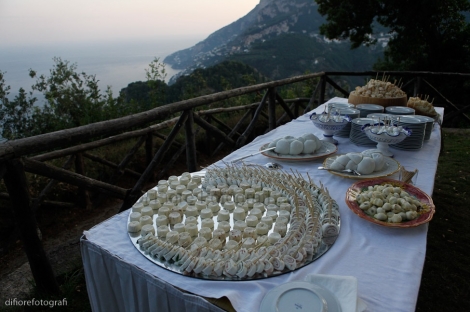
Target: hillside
(280, 38)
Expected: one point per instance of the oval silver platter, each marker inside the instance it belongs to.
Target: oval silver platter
(324, 235)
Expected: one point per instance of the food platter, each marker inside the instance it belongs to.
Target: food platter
(391, 167)
(326, 150)
(303, 240)
(425, 199)
(299, 296)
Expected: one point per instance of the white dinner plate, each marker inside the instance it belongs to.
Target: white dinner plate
(300, 296)
(400, 110)
(391, 166)
(326, 150)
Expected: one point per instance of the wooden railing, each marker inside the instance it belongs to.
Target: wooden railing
(33, 154)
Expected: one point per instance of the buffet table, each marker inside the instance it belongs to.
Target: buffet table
(387, 262)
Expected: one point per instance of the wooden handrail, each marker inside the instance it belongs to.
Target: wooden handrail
(47, 141)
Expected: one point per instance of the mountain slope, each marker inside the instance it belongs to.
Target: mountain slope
(280, 38)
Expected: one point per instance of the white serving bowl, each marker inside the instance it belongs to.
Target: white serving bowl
(329, 124)
(377, 133)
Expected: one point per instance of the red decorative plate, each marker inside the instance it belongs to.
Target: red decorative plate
(424, 198)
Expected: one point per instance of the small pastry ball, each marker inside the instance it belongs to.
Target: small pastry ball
(229, 205)
(174, 217)
(249, 232)
(351, 165)
(206, 233)
(191, 211)
(239, 225)
(235, 235)
(223, 215)
(282, 147)
(268, 221)
(161, 220)
(215, 244)
(207, 223)
(248, 242)
(137, 207)
(146, 220)
(280, 228)
(224, 225)
(274, 237)
(162, 231)
(366, 166)
(262, 228)
(179, 227)
(192, 229)
(134, 227)
(309, 146)
(251, 220)
(220, 234)
(172, 236)
(135, 216)
(296, 147)
(191, 220)
(206, 213)
(148, 228)
(239, 214)
(184, 239)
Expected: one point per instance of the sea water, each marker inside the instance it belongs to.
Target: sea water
(115, 63)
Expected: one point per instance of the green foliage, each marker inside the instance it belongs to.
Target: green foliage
(202, 81)
(72, 99)
(16, 115)
(426, 35)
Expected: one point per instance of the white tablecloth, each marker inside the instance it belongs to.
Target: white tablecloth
(387, 262)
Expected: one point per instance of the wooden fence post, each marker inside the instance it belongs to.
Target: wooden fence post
(16, 183)
(149, 148)
(322, 90)
(417, 87)
(84, 195)
(208, 136)
(272, 108)
(134, 194)
(191, 158)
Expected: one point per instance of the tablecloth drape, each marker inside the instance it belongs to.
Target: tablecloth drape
(387, 262)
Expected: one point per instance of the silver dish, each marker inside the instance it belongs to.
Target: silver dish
(325, 244)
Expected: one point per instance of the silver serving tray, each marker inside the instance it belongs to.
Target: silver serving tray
(324, 245)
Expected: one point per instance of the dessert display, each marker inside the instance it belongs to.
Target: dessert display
(330, 122)
(422, 107)
(385, 133)
(308, 143)
(380, 92)
(364, 164)
(275, 223)
(340, 165)
(379, 89)
(390, 203)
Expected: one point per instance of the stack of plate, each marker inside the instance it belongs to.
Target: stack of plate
(367, 109)
(429, 125)
(337, 106)
(376, 116)
(399, 110)
(357, 136)
(352, 113)
(416, 139)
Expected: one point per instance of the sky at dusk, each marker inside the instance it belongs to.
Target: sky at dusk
(31, 22)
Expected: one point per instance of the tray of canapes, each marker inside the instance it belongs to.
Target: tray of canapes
(390, 203)
(234, 223)
(304, 148)
(368, 165)
(379, 92)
